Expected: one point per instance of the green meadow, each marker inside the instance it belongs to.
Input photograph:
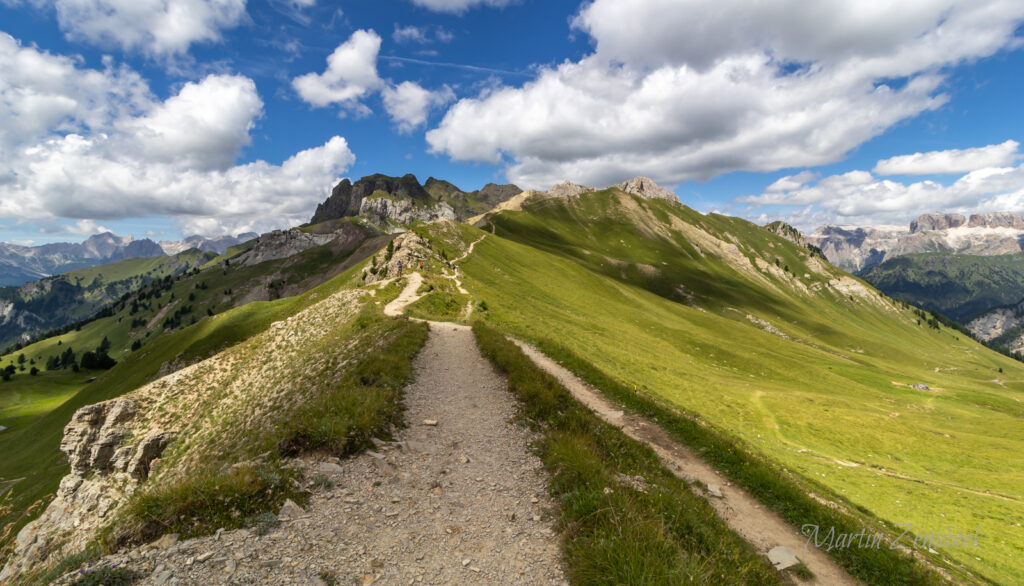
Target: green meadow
(811, 377)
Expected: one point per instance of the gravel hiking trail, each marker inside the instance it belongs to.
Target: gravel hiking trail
(759, 526)
(457, 498)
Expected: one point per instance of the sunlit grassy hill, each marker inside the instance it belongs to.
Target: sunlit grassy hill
(765, 341)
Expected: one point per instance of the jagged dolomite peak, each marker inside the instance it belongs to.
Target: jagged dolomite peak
(646, 187)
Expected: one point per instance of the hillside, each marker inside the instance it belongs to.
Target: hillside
(55, 302)
(959, 286)
(762, 341)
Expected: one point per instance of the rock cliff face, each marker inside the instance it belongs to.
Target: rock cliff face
(859, 249)
(1004, 325)
(285, 243)
(856, 249)
(108, 462)
(386, 212)
(997, 220)
(930, 222)
(346, 199)
(645, 187)
(118, 447)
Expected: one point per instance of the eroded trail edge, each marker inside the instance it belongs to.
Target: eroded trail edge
(759, 526)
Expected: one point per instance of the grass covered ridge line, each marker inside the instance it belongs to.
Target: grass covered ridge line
(251, 481)
(340, 421)
(613, 532)
(777, 490)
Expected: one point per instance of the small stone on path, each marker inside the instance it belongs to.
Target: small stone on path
(782, 557)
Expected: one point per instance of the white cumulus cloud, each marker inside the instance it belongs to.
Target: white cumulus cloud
(953, 161)
(695, 88)
(408, 103)
(154, 27)
(92, 145)
(351, 75)
(860, 198)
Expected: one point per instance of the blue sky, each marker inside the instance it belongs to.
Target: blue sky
(164, 118)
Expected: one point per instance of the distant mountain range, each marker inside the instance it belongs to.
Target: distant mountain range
(857, 249)
(22, 264)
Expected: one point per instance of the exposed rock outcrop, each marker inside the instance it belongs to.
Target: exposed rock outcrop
(389, 213)
(930, 222)
(568, 189)
(494, 194)
(1003, 325)
(347, 198)
(645, 187)
(107, 464)
(856, 249)
(409, 249)
(285, 243)
(1011, 220)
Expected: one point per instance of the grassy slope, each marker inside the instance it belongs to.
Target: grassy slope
(614, 534)
(821, 404)
(959, 286)
(89, 290)
(133, 267)
(33, 446)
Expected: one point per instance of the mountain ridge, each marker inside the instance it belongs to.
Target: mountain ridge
(22, 264)
(859, 248)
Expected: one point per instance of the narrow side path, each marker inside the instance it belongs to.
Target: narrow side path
(406, 297)
(758, 525)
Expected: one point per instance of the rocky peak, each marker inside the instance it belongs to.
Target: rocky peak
(347, 198)
(786, 231)
(997, 220)
(569, 189)
(645, 187)
(495, 194)
(440, 187)
(932, 222)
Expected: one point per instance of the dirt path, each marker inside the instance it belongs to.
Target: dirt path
(761, 527)
(406, 297)
(458, 498)
(469, 250)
